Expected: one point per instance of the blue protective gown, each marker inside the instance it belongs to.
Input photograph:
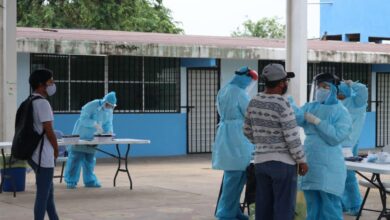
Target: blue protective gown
(232, 150)
(84, 156)
(355, 101)
(356, 104)
(327, 170)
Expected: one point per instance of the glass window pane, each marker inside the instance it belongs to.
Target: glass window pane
(158, 69)
(57, 63)
(87, 68)
(124, 68)
(82, 93)
(129, 96)
(162, 84)
(161, 97)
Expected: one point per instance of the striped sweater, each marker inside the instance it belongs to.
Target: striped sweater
(270, 124)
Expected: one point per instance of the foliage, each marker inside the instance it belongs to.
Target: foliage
(125, 15)
(263, 28)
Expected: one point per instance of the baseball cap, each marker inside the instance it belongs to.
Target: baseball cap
(275, 72)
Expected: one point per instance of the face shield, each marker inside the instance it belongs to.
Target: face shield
(322, 87)
(251, 90)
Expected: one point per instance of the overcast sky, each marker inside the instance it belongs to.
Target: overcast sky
(222, 17)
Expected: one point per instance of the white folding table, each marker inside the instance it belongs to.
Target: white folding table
(94, 144)
(376, 170)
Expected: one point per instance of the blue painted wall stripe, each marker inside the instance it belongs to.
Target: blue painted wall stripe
(198, 62)
(167, 132)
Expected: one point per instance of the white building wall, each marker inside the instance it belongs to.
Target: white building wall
(373, 92)
(183, 88)
(23, 87)
(313, 19)
(229, 66)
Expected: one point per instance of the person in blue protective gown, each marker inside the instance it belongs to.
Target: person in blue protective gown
(231, 149)
(326, 123)
(354, 97)
(95, 118)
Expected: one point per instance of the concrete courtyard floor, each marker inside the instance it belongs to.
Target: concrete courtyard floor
(165, 188)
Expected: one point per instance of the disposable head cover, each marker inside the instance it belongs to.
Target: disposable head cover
(247, 71)
(241, 81)
(231, 149)
(110, 98)
(345, 90)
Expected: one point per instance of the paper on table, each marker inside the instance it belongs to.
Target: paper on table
(347, 152)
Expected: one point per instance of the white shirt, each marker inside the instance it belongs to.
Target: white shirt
(42, 112)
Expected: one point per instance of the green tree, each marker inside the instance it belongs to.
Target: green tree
(263, 28)
(125, 15)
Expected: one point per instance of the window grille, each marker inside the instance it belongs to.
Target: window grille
(145, 84)
(59, 64)
(142, 84)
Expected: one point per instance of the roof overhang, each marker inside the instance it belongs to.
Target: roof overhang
(91, 42)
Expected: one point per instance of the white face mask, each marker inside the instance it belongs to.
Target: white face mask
(251, 89)
(322, 95)
(51, 89)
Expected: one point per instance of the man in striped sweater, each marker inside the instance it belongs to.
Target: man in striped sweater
(270, 124)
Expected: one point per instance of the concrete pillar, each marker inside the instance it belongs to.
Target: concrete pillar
(2, 76)
(8, 69)
(296, 48)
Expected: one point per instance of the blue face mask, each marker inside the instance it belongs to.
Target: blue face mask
(322, 95)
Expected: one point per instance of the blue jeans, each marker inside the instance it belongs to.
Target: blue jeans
(44, 200)
(276, 189)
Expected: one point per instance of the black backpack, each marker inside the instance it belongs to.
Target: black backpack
(26, 139)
